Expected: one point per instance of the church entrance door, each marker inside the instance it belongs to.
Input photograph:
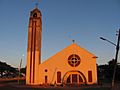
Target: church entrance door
(74, 78)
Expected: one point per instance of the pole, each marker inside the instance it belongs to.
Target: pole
(19, 71)
(115, 63)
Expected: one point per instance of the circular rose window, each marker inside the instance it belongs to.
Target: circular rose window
(74, 60)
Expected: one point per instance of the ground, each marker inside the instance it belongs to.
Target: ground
(14, 85)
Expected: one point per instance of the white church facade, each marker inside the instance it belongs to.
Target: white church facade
(72, 65)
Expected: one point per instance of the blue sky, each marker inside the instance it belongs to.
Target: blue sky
(62, 20)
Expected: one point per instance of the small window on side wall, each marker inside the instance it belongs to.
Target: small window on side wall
(46, 70)
(46, 79)
(58, 77)
(89, 76)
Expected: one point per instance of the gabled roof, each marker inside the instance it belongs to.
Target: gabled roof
(73, 48)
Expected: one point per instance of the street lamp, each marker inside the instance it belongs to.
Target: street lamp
(116, 56)
(19, 69)
(107, 41)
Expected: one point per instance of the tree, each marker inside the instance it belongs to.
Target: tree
(105, 72)
(7, 70)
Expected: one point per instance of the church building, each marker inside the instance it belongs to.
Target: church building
(72, 65)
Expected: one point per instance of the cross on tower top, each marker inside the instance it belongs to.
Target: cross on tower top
(36, 5)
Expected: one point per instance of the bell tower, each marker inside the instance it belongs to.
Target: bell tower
(34, 46)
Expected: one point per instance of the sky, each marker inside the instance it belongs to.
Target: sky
(62, 21)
